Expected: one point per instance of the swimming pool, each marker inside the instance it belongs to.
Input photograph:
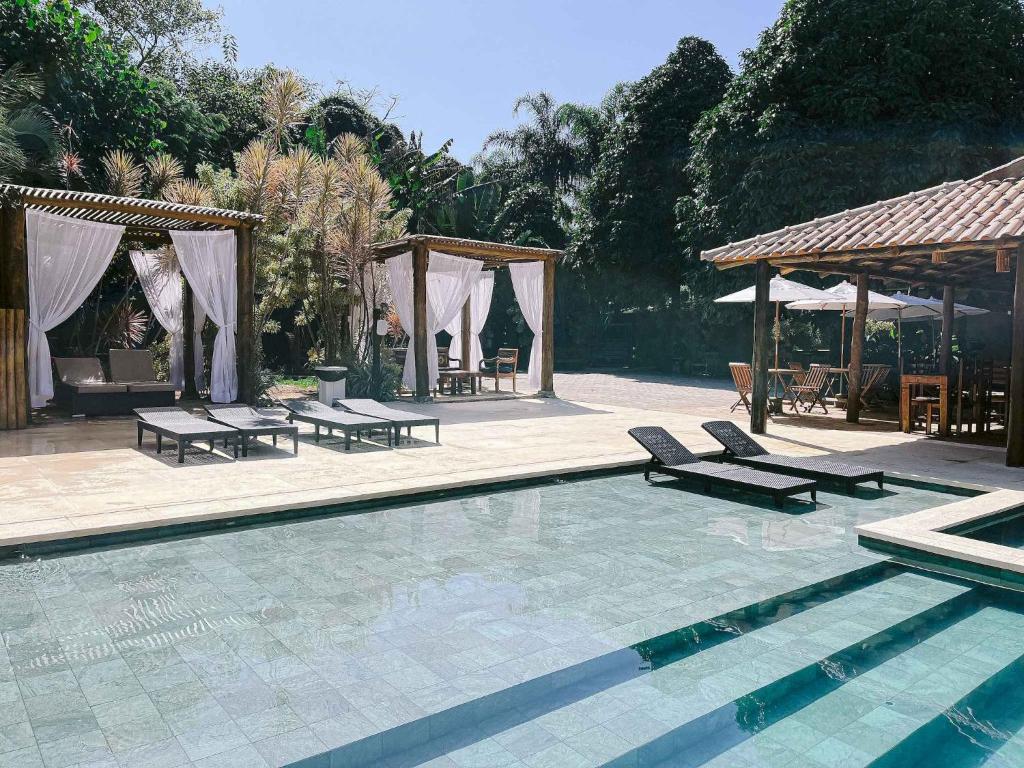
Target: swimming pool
(599, 622)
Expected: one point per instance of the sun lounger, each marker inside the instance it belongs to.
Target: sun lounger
(252, 422)
(183, 428)
(670, 457)
(323, 417)
(399, 418)
(743, 449)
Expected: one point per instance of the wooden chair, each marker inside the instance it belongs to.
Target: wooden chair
(503, 365)
(743, 378)
(871, 376)
(809, 392)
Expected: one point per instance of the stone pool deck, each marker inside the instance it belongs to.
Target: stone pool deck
(68, 478)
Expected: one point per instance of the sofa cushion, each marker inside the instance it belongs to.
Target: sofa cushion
(79, 370)
(100, 388)
(129, 365)
(150, 386)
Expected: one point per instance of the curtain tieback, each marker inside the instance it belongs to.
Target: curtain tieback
(36, 325)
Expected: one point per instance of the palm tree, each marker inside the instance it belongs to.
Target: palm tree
(27, 134)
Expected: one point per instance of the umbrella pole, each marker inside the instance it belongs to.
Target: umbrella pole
(842, 345)
(777, 333)
(899, 338)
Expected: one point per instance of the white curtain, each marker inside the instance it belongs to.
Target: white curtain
(198, 353)
(160, 279)
(449, 282)
(208, 261)
(66, 258)
(528, 283)
(479, 307)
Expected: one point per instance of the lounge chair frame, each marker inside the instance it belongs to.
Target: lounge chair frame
(333, 419)
(741, 448)
(398, 418)
(253, 422)
(670, 457)
(180, 434)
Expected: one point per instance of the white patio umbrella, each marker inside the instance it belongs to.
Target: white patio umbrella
(841, 298)
(916, 309)
(781, 291)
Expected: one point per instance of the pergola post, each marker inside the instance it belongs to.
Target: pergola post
(946, 349)
(466, 333)
(188, 326)
(1015, 397)
(419, 320)
(860, 317)
(547, 361)
(14, 399)
(245, 329)
(759, 365)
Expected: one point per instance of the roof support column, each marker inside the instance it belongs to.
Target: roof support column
(14, 399)
(547, 360)
(419, 320)
(188, 343)
(759, 365)
(860, 317)
(1015, 397)
(465, 334)
(946, 350)
(245, 328)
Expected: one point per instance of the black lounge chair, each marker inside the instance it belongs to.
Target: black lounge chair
(399, 418)
(252, 422)
(321, 416)
(743, 449)
(670, 457)
(183, 428)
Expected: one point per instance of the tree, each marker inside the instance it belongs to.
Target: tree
(844, 102)
(159, 35)
(27, 134)
(626, 221)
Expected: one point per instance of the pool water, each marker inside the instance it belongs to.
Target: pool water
(1008, 532)
(599, 622)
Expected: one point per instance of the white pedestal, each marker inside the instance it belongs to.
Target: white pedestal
(327, 391)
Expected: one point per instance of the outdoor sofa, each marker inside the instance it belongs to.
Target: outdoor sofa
(81, 388)
(252, 422)
(324, 417)
(741, 448)
(670, 457)
(183, 428)
(397, 417)
(134, 368)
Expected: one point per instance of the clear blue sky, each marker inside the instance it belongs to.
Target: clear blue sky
(456, 66)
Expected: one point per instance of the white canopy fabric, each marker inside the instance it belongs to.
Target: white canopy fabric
(843, 297)
(66, 258)
(916, 308)
(160, 279)
(208, 260)
(779, 290)
(479, 307)
(450, 280)
(528, 283)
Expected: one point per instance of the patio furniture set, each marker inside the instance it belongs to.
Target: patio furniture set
(451, 374)
(746, 465)
(237, 425)
(807, 388)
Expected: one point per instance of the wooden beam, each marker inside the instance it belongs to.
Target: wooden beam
(860, 316)
(547, 360)
(245, 328)
(188, 346)
(946, 348)
(759, 364)
(466, 333)
(1015, 397)
(419, 320)
(1003, 260)
(219, 218)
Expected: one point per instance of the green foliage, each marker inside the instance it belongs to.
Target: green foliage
(844, 102)
(626, 222)
(362, 381)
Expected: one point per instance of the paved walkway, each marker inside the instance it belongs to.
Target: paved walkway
(82, 476)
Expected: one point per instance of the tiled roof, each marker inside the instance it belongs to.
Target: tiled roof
(987, 210)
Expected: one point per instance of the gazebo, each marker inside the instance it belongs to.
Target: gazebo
(960, 233)
(539, 285)
(111, 219)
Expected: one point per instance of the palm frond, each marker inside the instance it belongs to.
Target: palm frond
(164, 170)
(124, 174)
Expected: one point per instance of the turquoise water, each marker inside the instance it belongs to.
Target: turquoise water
(563, 624)
(1008, 532)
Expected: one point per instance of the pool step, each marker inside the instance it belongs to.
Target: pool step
(638, 721)
(890, 715)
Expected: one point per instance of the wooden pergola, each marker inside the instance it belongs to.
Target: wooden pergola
(146, 222)
(494, 256)
(961, 233)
